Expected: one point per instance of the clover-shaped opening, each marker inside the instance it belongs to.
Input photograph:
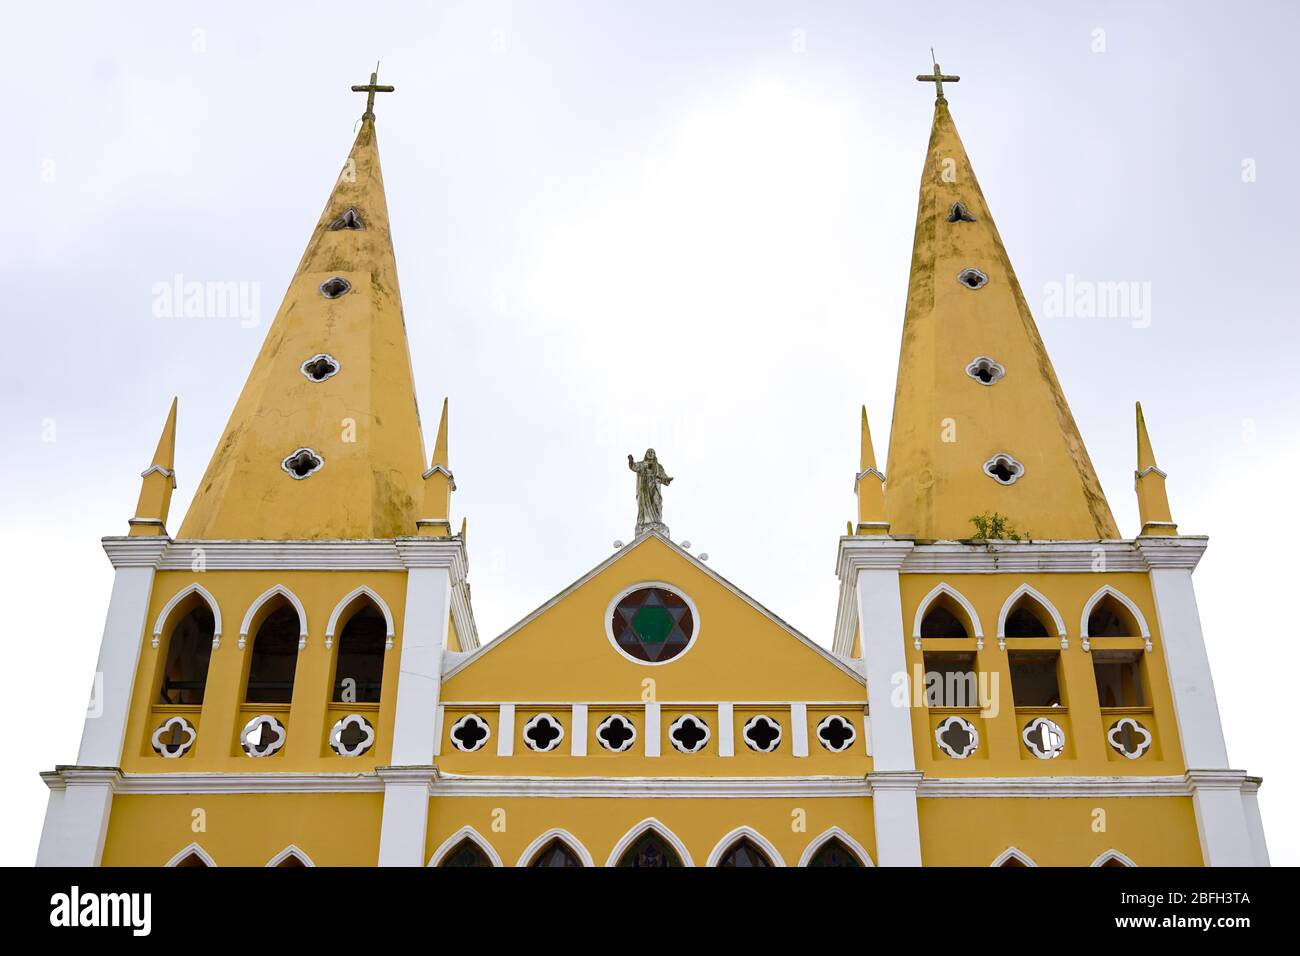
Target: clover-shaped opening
(836, 733)
(985, 371)
(972, 278)
(957, 737)
(349, 220)
(262, 736)
(1129, 738)
(762, 733)
(543, 733)
(352, 736)
(959, 213)
(1003, 469)
(469, 733)
(334, 287)
(174, 737)
(688, 733)
(615, 733)
(302, 463)
(1044, 738)
(320, 367)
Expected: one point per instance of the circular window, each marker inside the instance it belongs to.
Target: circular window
(652, 624)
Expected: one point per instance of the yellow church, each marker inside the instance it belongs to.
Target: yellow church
(296, 679)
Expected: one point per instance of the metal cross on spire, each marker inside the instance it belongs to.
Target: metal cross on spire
(371, 89)
(938, 78)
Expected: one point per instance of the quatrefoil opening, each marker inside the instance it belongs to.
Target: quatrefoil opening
(352, 736)
(688, 733)
(470, 733)
(616, 733)
(762, 734)
(543, 733)
(836, 734)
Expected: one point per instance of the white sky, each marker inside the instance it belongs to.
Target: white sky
(622, 226)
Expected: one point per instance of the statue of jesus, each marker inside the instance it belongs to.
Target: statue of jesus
(649, 502)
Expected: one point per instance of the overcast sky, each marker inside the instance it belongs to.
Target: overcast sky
(678, 224)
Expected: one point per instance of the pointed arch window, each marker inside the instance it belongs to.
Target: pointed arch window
(1026, 620)
(189, 651)
(744, 853)
(359, 670)
(466, 853)
(959, 213)
(556, 853)
(274, 658)
(192, 859)
(192, 856)
(349, 220)
(650, 850)
(834, 853)
(1110, 618)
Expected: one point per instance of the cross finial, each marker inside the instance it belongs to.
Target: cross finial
(370, 89)
(938, 78)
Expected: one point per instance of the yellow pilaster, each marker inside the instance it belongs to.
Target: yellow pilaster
(438, 486)
(159, 481)
(1149, 482)
(869, 487)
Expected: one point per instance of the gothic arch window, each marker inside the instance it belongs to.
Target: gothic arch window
(745, 847)
(555, 847)
(1013, 858)
(192, 856)
(349, 220)
(189, 650)
(959, 213)
(944, 612)
(1113, 858)
(465, 848)
(273, 659)
(289, 858)
(1028, 613)
(1111, 613)
(834, 847)
(650, 844)
(359, 666)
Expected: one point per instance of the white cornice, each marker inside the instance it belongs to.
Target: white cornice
(144, 552)
(871, 553)
(1181, 552)
(455, 785)
(1054, 787)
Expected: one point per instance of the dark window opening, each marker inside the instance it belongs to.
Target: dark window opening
(959, 213)
(302, 463)
(1111, 619)
(1004, 469)
(320, 368)
(1119, 680)
(1023, 621)
(466, 853)
(950, 680)
(349, 220)
(972, 278)
(650, 850)
(1014, 861)
(942, 620)
(335, 287)
(189, 649)
(1033, 679)
(291, 862)
(834, 853)
(556, 853)
(192, 859)
(274, 659)
(744, 853)
(359, 673)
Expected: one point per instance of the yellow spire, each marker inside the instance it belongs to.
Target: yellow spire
(438, 486)
(869, 487)
(157, 484)
(980, 421)
(325, 439)
(1149, 483)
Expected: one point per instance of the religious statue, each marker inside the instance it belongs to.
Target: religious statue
(649, 502)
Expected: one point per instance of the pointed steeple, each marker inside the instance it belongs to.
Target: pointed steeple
(158, 481)
(438, 486)
(325, 439)
(869, 486)
(1149, 483)
(980, 421)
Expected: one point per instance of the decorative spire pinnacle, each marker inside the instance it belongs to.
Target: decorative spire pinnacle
(159, 481)
(938, 78)
(1149, 483)
(370, 89)
(869, 486)
(438, 486)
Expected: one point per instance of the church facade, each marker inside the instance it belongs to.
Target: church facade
(296, 678)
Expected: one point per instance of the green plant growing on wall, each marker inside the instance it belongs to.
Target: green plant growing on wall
(994, 527)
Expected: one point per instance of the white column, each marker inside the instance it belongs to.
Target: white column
(434, 567)
(652, 729)
(1223, 813)
(506, 730)
(76, 815)
(870, 565)
(799, 730)
(726, 729)
(578, 731)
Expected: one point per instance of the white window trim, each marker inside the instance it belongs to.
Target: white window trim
(994, 478)
(1012, 853)
(453, 841)
(945, 588)
(1123, 599)
(287, 852)
(856, 848)
(532, 722)
(762, 842)
(197, 850)
(632, 835)
(176, 599)
(555, 833)
(268, 594)
(1112, 854)
(1023, 591)
(348, 600)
